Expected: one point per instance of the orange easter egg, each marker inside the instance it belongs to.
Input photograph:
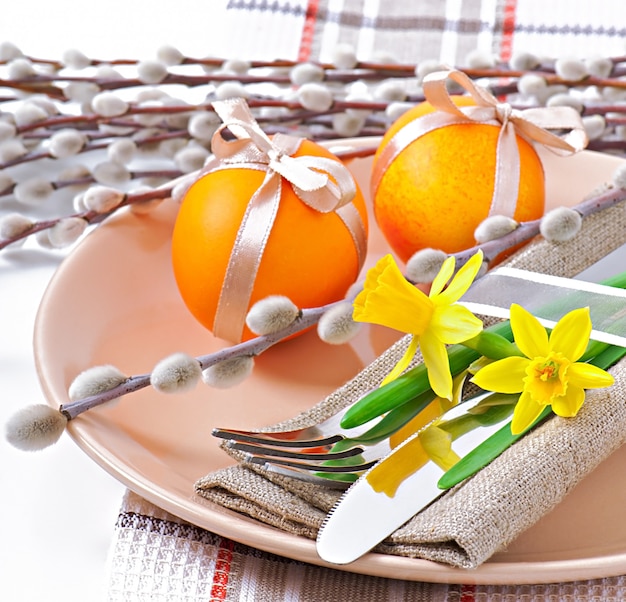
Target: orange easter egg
(309, 256)
(439, 188)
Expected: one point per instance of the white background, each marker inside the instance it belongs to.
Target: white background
(57, 507)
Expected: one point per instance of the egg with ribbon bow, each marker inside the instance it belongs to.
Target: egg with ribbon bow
(268, 216)
(452, 161)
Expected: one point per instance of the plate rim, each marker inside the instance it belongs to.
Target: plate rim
(232, 524)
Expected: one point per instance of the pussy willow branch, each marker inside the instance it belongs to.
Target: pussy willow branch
(527, 230)
(250, 348)
(309, 317)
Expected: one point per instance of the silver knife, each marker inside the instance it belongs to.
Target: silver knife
(363, 517)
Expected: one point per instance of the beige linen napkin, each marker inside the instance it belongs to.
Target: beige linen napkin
(470, 523)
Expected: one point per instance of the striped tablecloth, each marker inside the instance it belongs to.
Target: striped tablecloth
(157, 557)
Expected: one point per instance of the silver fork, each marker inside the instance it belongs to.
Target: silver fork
(324, 453)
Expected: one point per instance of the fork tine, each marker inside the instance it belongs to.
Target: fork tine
(273, 438)
(312, 467)
(264, 450)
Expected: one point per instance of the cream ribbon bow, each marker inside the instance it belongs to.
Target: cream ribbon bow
(323, 184)
(532, 124)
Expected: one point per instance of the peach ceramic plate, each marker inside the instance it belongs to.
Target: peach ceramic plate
(113, 300)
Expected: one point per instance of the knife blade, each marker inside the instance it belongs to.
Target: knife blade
(363, 516)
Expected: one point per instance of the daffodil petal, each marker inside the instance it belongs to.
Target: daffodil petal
(525, 413)
(437, 443)
(437, 364)
(571, 334)
(403, 363)
(454, 324)
(503, 376)
(588, 376)
(568, 405)
(530, 336)
(441, 279)
(462, 280)
(390, 300)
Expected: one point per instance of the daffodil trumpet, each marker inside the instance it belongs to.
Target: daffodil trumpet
(414, 382)
(490, 449)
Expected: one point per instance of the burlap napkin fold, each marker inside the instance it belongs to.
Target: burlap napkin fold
(470, 523)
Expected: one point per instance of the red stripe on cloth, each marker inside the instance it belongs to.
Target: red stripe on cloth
(308, 30)
(219, 587)
(467, 593)
(508, 29)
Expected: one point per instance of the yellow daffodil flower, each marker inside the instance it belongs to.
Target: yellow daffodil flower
(435, 320)
(550, 373)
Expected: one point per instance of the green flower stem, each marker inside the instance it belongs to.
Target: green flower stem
(391, 422)
(492, 345)
(415, 381)
(412, 383)
(490, 449)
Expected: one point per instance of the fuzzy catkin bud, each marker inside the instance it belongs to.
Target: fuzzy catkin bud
(203, 125)
(395, 110)
(170, 55)
(315, 97)
(191, 158)
(33, 191)
(66, 143)
(35, 427)
(94, 381)
(122, 151)
(109, 104)
(21, 68)
(565, 100)
(236, 66)
(228, 90)
(102, 199)
(81, 91)
(424, 265)
(13, 225)
(347, 125)
(7, 130)
(594, 126)
(619, 177)
(390, 91)
(304, 73)
(570, 69)
(75, 59)
(336, 326)
(271, 314)
(176, 373)
(531, 84)
(599, 66)
(66, 231)
(523, 61)
(151, 72)
(11, 150)
(493, 227)
(28, 113)
(110, 173)
(228, 373)
(428, 66)
(560, 224)
(9, 51)
(344, 57)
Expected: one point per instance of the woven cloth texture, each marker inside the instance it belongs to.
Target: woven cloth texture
(469, 524)
(408, 31)
(156, 557)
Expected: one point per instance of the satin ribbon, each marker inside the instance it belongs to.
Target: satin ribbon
(323, 184)
(531, 124)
